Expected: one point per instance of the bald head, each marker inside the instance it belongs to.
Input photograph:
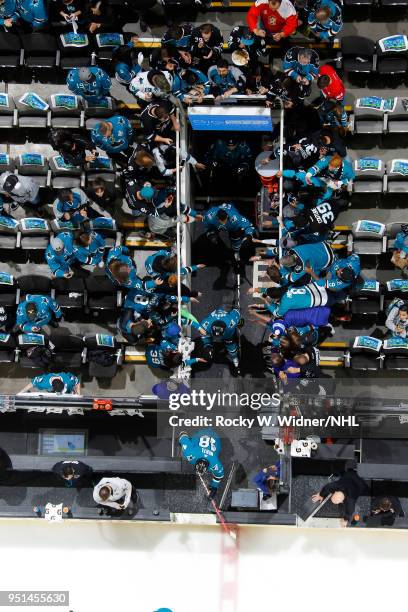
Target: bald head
(338, 497)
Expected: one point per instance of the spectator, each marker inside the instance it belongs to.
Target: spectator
(103, 194)
(120, 268)
(274, 18)
(387, 508)
(71, 205)
(325, 20)
(333, 114)
(331, 173)
(229, 156)
(128, 61)
(190, 86)
(330, 84)
(37, 311)
(178, 36)
(99, 17)
(89, 248)
(72, 472)
(59, 255)
(60, 382)
(8, 13)
(93, 84)
(206, 46)
(225, 80)
(114, 136)
(71, 10)
(345, 491)
(399, 256)
(302, 65)
(115, 493)
(267, 479)
(241, 38)
(33, 13)
(18, 190)
(151, 84)
(159, 122)
(397, 318)
(73, 147)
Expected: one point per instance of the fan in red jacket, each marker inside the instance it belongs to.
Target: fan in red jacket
(276, 18)
(330, 84)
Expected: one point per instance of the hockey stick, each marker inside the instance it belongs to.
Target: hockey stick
(218, 512)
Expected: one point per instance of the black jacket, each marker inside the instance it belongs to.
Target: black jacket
(81, 470)
(352, 486)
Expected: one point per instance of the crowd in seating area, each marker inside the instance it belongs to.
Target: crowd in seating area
(100, 144)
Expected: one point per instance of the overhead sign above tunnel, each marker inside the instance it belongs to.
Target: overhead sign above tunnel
(217, 118)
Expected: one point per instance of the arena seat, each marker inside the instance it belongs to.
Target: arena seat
(102, 294)
(395, 181)
(367, 121)
(8, 112)
(107, 228)
(69, 292)
(8, 290)
(6, 163)
(365, 354)
(64, 176)
(11, 52)
(10, 236)
(33, 284)
(102, 167)
(392, 230)
(7, 348)
(367, 180)
(69, 350)
(108, 344)
(74, 55)
(365, 242)
(25, 343)
(66, 111)
(96, 113)
(395, 352)
(35, 167)
(357, 54)
(397, 120)
(29, 117)
(35, 234)
(390, 62)
(40, 50)
(367, 301)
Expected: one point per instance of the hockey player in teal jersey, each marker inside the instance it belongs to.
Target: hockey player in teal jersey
(343, 273)
(318, 256)
(202, 450)
(222, 326)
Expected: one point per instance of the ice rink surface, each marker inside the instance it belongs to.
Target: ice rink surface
(142, 568)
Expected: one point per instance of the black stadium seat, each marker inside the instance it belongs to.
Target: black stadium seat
(390, 62)
(69, 292)
(100, 348)
(33, 166)
(357, 54)
(8, 290)
(7, 348)
(66, 111)
(40, 50)
(11, 53)
(68, 350)
(73, 55)
(102, 293)
(33, 284)
(8, 112)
